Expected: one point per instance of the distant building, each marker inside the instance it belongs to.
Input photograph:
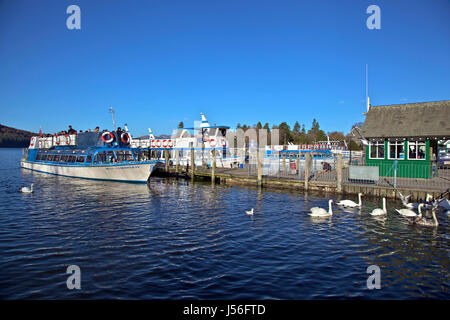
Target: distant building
(405, 137)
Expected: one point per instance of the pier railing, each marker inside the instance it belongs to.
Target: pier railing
(334, 171)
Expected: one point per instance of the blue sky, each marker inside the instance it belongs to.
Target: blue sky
(239, 61)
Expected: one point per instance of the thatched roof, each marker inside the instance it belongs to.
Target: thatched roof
(411, 120)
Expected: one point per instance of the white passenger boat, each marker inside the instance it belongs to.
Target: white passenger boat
(89, 155)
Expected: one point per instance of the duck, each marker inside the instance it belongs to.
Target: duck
(378, 211)
(408, 212)
(424, 222)
(350, 203)
(27, 190)
(320, 212)
(249, 212)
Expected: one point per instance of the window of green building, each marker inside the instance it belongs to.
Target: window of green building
(416, 150)
(396, 150)
(376, 150)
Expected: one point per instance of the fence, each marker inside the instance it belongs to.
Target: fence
(296, 166)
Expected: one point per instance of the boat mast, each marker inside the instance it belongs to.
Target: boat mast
(112, 113)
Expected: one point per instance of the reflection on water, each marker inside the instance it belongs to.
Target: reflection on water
(175, 239)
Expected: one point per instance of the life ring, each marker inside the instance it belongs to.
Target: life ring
(170, 143)
(57, 140)
(158, 143)
(110, 139)
(164, 143)
(153, 143)
(212, 143)
(67, 139)
(125, 137)
(224, 143)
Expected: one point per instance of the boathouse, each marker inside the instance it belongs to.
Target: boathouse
(404, 138)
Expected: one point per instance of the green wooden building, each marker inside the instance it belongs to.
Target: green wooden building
(403, 138)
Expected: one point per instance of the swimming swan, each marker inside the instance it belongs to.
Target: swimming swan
(378, 211)
(249, 212)
(424, 222)
(409, 212)
(320, 212)
(27, 190)
(350, 203)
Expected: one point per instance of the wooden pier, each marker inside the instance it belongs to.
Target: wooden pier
(238, 176)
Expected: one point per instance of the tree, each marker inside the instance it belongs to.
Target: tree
(285, 133)
(181, 125)
(296, 127)
(315, 134)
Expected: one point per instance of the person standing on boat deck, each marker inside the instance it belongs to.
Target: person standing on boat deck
(119, 133)
(71, 130)
(97, 129)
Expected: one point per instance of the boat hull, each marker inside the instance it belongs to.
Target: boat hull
(131, 172)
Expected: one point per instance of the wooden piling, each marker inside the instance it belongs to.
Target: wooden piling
(166, 157)
(283, 163)
(307, 169)
(177, 161)
(213, 166)
(339, 173)
(298, 163)
(259, 164)
(192, 164)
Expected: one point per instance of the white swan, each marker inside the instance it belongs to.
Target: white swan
(424, 222)
(411, 205)
(350, 203)
(409, 212)
(27, 190)
(320, 212)
(378, 211)
(249, 212)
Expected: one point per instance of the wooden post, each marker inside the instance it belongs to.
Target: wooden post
(283, 163)
(213, 166)
(339, 173)
(289, 163)
(166, 156)
(177, 160)
(259, 165)
(298, 163)
(307, 169)
(192, 163)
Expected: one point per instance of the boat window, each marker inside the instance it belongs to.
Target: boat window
(44, 157)
(38, 157)
(71, 159)
(80, 159)
(56, 158)
(50, 157)
(100, 156)
(89, 159)
(416, 150)
(110, 156)
(64, 158)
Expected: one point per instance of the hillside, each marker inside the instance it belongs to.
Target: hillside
(14, 138)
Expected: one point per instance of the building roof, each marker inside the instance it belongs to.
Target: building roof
(410, 120)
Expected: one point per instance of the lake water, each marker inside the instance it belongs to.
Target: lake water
(178, 240)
